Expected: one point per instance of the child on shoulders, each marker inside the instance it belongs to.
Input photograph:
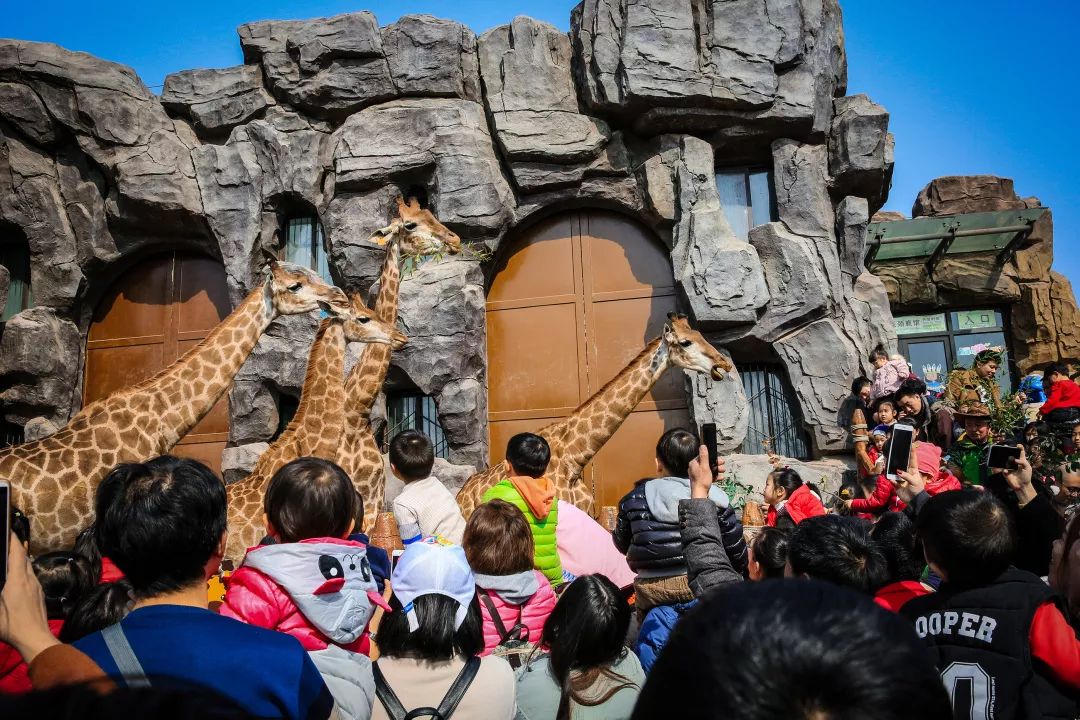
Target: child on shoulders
(889, 372)
(513, 596)
(1063, 398)
(425, 507)
(527, 457)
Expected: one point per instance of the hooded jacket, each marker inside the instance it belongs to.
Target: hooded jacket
(802, 504)
(320, 591)
(1063, 394)
(535, 497)
(888, 377)
(655, 631)
(647, 528)
(526, 594)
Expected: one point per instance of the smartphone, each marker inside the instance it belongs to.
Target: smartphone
(5, 529)
(394, 557)
(899, 450)
(708, 439)
(1001, 456)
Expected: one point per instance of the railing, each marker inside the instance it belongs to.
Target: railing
(414, 412)
(774, 414)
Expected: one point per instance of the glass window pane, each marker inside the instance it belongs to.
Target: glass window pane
(930, 361)
(16, 258)
(968, 346)
(322, 258)
(761, 199)
(733, 199)
(298, 241)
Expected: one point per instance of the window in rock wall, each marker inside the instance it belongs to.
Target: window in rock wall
(287, 405)
(746, 195)
(413, 411)
(10, 434)
(774, 413)
(15, 256)
(304, 245)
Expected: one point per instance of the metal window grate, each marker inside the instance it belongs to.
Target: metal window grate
(11, 435)
(774, 413)
(414, 412)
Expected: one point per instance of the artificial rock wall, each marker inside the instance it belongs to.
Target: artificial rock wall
(633, 110)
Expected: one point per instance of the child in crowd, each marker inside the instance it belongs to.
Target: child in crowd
(878, 494)
(889, 372)
(425, 507)
(894, 535)
(64, 577)
(886, 411)
(790, 500)
(377, 556)
(104, 605)
(1006, 624)
(768, 554)
(312, 583)
(515, 599)
(527, 457)
(647, 528)
(1063, 398)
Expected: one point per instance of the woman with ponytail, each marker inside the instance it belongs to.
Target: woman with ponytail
(587, 673)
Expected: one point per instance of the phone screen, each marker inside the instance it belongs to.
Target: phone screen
(1001, 456)
(899, 450)
(5, 529)
(708, 439)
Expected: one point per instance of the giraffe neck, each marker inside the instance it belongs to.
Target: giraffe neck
(587, 429)
(321, 407)
(366, 379)
(179, 396)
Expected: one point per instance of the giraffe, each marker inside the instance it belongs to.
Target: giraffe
(53, 479)
(415, 231)
(575, 439)
(316, 428)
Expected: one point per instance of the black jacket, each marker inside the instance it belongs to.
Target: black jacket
(654, 545)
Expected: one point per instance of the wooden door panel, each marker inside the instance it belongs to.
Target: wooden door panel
(533, 356)
(629, 455)
(619, 330)
(157, 311)
(624, 256)
(549, 246)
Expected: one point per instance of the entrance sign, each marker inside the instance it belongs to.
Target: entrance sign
(918, 324)
(975, 319)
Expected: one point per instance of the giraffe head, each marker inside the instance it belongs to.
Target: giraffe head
(417, 231)
(690, 351)
(293, 290)
(361, 325)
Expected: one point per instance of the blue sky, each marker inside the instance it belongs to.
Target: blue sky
(973, 86)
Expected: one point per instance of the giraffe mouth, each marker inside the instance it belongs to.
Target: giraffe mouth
(717, 372)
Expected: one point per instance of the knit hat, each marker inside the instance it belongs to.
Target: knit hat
(928, 456)
(433, 566)
(882, 430)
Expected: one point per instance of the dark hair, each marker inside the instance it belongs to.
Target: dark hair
(879, 352)
(969, 535)
(787, 479)
(358, 518)
(412, 455)
(883, 401)
(894, 534)
(675, 449)
(859, 383)
(717, 665)
(160, 521)
(310, 498)
(498, 540)
(585, 632)
(86, 545)
(770, 550)
(97, 609)
(64, 577)
(1052, 368)
(528, 454)
(20, 525)
(910, 386)
(435, 640)
(837, 549)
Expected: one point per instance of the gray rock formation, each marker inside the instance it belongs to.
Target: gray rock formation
(431, 57)
(861, 150)
(217, 100)
(39, 354)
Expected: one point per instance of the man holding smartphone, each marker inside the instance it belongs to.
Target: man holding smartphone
(968, 459)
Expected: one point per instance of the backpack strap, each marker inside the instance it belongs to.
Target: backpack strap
(123, 655)
(500, 627)
(447, 705)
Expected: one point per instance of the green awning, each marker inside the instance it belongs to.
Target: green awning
(935, 237)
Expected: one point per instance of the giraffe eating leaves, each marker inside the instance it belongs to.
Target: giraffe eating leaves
(577, 438)
(54, 479)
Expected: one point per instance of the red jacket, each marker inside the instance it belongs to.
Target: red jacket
(1063, 394)
(14, 674)
(802, 504)
(878, 502)
(895, 595)
(945, 482)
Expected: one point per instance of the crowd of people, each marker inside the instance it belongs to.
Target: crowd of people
(947, 588)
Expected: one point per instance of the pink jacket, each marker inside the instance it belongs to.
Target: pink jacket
(328, 578)
(528, 592)
(888, 377)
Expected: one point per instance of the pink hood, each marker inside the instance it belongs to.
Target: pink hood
(534, 608)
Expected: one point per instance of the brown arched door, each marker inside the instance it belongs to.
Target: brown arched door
(574, 299)
(154, 313)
